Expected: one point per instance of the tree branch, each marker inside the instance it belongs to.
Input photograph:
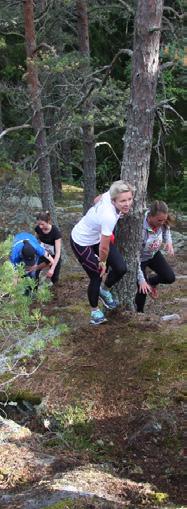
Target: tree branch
(161, 122)
(122, 51)
(169, 107)
(128, 7)
(167, 65)
(170, 25)
(174, 12)
(108, 69)
(16, 128)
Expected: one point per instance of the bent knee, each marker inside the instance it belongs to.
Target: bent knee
(171, 278)
(122, 269)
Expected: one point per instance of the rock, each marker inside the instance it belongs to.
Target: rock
(168, 318)
(32, 202)
(10, 430)
(178, 241)
(136, 470)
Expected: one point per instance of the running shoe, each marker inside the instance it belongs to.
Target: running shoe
(107, 299)
(97, 317)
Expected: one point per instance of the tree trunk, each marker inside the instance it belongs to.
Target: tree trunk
(56, 175)
(38, 117)
(66, 157)
(1, 121)
(139, 133)
(89, 157)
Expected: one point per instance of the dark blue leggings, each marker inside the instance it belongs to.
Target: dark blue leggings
(88, 258)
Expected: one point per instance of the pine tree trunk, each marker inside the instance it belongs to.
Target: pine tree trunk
(66, 157)
(139, 133)
(34, 87)
(89, 163)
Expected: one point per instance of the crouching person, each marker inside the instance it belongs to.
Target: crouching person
(156, 232)
(27, 250)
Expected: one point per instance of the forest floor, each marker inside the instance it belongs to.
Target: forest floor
(110, 421)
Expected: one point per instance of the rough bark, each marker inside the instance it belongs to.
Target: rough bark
(139, 132)
(38, 117)
(1, 121)
(89, 157)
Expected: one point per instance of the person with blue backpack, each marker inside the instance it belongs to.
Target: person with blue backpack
(27, 250)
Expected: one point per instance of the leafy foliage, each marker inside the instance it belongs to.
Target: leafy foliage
(64, 86)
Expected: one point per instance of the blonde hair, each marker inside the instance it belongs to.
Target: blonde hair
(118, 187)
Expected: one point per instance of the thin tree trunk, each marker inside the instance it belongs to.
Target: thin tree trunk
(139, 133)
(66, 157)
(38, 117)
(89, 163)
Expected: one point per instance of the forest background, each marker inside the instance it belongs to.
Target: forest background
(67, 125)
(87, 89)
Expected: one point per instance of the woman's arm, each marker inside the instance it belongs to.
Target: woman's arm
(97, 198)
(58, 244)
(167, 240)
(103, 253)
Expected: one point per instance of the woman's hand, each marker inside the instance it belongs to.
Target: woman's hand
(144, 287)
(31, 269)
(50, 272)
(169, 248)
(102, 268)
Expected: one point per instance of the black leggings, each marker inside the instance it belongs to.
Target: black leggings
(164, 275)
(88, 258)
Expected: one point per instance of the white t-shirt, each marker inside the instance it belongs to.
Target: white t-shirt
(99, 220)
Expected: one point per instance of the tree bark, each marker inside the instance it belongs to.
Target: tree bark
(38, 117)
(139, 133)
(66, 157)
(89, 156)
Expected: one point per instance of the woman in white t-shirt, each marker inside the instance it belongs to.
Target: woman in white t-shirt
(90, 241)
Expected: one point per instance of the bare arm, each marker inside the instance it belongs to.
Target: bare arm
(103, 253)
(97, 198)
(58, 244)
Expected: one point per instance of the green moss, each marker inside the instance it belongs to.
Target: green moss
(26, 395)
(5, 377)
(54, 442)
(78, 308)
(71, 192)
(159, 497)
(67, 504)
(73, 209)
(75, 276)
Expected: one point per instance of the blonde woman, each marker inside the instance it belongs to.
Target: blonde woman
(92, 246)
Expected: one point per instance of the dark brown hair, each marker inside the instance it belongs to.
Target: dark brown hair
(44, 216)
(157, 207)
(160, 206)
